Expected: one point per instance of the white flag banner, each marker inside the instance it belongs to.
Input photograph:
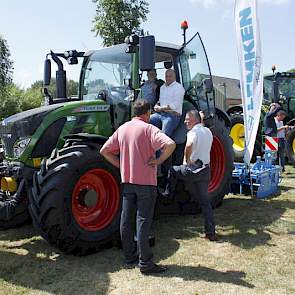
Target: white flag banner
(250, 61)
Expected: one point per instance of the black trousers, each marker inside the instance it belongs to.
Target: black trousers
(198, 187)
(281, 152)
(137, 216)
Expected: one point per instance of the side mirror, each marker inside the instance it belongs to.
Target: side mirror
(147, 51)
(47, 72)
(207, 85)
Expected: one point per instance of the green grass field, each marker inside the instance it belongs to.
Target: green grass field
(255, 255)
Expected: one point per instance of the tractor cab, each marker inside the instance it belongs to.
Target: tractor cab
(280, 87)
(115, 75)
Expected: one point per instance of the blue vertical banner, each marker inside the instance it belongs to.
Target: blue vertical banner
(250, 62)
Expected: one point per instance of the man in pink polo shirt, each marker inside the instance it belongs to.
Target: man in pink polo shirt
(136, 142)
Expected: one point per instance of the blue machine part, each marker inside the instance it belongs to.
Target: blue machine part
(263, 175)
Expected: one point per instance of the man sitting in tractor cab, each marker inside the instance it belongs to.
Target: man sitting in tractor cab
(150, 90)
(168, 110)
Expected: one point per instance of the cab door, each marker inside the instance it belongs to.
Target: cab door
(196, 74)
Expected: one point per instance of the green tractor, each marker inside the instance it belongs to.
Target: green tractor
(52, 164)
(279, 87)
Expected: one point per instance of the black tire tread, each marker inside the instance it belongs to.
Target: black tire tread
(48, 199)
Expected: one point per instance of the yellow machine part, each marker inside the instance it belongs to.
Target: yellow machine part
(237, 133)
(293, 146)
(8, 184)
(37, 162)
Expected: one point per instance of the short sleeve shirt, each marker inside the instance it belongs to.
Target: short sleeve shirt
(201, 139)
(281, 133)
(137, 141)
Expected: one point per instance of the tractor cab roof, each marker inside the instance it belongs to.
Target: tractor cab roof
(163, 51)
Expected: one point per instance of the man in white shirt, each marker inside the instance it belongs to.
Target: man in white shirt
(281, 131)
(169, 109)
(195, 171)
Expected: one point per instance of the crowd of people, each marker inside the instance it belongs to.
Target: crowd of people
(139, 146)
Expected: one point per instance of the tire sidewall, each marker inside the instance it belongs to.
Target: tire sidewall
(237, 119)
(221, 132)
(79, 168)
(289, 146)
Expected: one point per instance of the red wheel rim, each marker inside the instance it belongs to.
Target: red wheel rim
(217, 164)
(95, 199)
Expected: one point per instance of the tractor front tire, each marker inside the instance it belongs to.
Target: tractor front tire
(75, 201)
(290, 146)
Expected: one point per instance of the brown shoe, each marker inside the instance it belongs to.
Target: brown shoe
(211, 237)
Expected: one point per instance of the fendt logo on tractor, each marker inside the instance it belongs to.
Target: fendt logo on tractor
(73, 196)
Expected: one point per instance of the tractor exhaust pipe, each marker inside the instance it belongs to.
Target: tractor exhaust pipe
(61, 77)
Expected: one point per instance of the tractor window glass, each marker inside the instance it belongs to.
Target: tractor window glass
(92, 123)
(161, 70)
(106, 73)
(267, 90)
(287, 87)
(194, 71)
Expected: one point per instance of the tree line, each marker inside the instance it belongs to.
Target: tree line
(114, 20)
(13, 98)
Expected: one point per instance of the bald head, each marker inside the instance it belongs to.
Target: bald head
(170, 76)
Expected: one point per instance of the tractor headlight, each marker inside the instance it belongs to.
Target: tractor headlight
(20, 145)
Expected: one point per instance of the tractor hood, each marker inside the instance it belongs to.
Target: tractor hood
(24, 116)
(22, 126)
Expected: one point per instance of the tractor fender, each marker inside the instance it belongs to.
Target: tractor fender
(224, 116)
(235, 109)
(86, 138)
(291, 122)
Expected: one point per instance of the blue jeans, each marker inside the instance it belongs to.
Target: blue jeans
(165, 121)
(138, 204)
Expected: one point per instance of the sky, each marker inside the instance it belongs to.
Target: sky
(34, 27)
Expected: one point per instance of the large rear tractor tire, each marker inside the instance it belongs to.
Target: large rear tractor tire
(75, 201)
(237, 133)
(221, 163)
(290, 146)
